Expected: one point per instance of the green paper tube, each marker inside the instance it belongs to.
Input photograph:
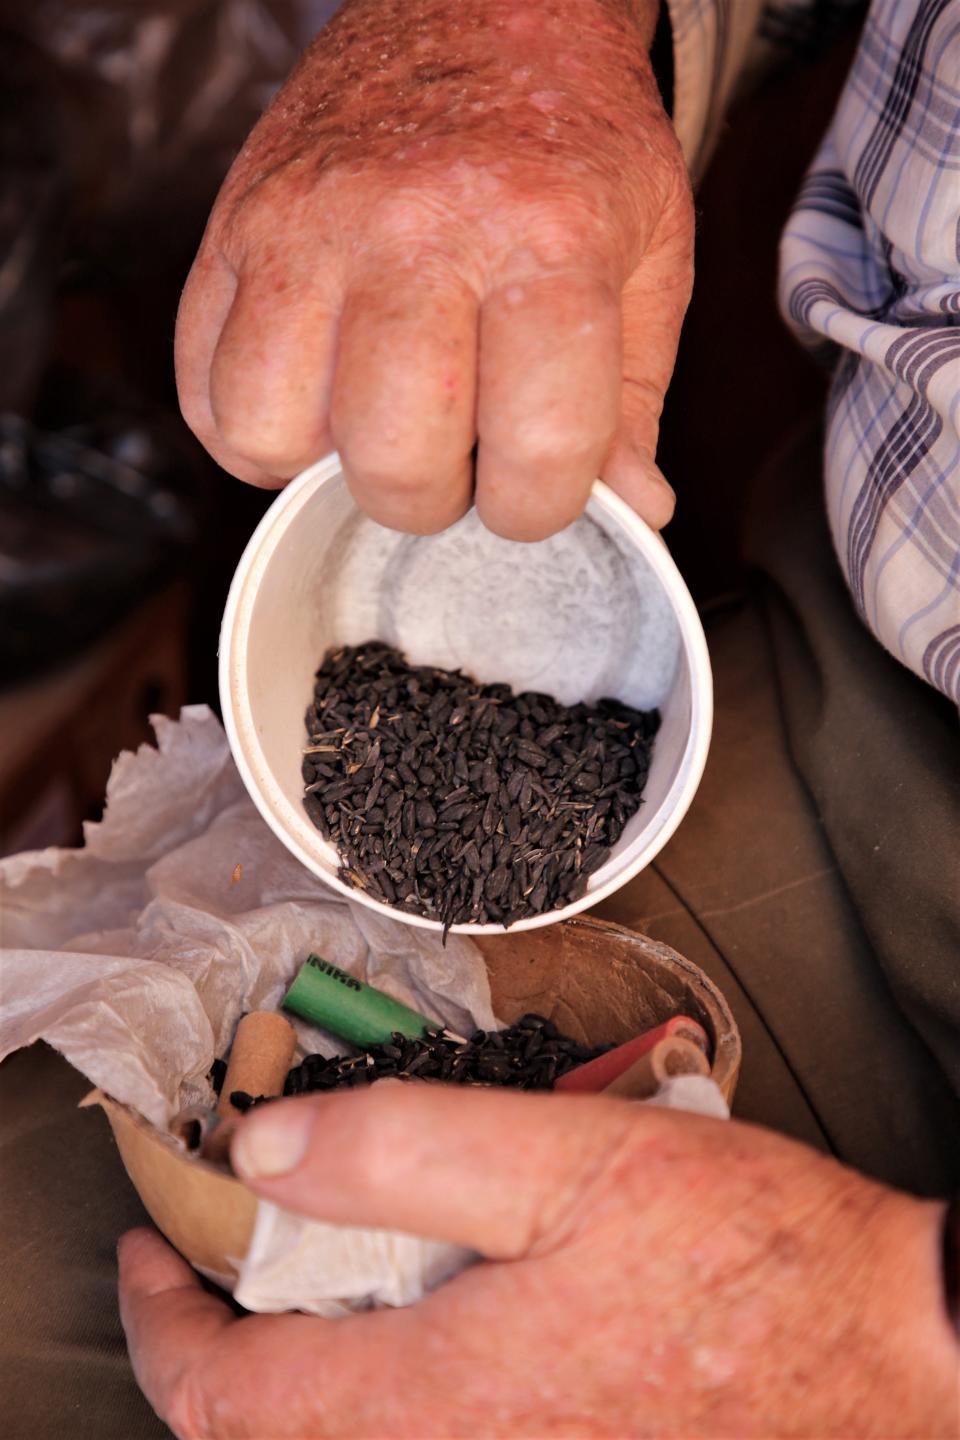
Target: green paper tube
(344, 1005)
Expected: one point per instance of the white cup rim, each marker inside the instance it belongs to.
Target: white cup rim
(240, 724)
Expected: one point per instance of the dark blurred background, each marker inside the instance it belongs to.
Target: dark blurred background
(118, 535)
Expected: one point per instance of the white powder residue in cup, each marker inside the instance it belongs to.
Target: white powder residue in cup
(578, 616)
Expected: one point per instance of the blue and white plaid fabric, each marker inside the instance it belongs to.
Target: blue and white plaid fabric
(870, 271)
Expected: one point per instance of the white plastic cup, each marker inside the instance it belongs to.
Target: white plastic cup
(599, 610)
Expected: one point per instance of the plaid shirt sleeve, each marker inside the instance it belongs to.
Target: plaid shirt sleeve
(870, 275)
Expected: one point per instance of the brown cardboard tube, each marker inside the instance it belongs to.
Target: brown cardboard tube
(669, 1057)
(259, 1059)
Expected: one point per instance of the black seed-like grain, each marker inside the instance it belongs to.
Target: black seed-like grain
(529, 1055)
(464, 802)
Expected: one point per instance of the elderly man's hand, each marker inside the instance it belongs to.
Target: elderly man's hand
(458, 222)
(648, 1274)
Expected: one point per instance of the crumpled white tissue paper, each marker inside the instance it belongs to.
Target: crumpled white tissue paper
(136, 955)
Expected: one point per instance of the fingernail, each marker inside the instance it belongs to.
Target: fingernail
(271, 1143)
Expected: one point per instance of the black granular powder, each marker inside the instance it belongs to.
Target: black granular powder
(530, 1055)
(464, 802)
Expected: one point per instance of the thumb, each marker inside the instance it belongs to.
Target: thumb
(654, 300)
(493, 1171)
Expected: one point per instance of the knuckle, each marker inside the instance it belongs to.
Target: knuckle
(565, 226)
(288, 217)
(549, 455)
(414, 509)
(386, 463)
(247, 444)
(245, 220)
(566, 444)
(264, 444)
(572, 223)
(408, 213)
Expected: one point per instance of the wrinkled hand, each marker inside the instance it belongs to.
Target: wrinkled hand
(648, 1274)
(457, 222)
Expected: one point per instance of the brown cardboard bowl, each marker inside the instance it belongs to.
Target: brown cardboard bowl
(599, 982)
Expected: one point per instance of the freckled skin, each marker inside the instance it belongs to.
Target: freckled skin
(424, 156)
(648, 1274)
(462, 221)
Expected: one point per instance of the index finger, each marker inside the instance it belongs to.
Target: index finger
(168, 1318)
(204, 306)
(280, 1375)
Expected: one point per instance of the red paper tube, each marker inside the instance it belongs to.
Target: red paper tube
(597, 1074)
